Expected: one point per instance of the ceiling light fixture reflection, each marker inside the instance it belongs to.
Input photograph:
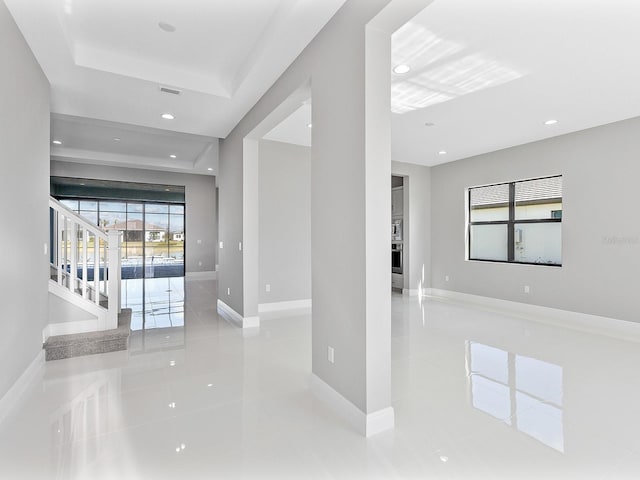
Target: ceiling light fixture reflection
(116, 139)
(551, 122)
(173, 156)
(439, 73)
(401, 69)
(210, 169)
(57, 142)
(442, 152)
(167, 116)
(172, 363)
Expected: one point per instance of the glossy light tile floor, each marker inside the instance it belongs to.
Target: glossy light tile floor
(477, 394)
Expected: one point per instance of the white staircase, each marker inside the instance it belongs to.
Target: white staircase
(84, 271)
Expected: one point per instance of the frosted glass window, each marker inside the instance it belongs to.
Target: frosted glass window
(538, 243)
(516, 222)
(488, 242)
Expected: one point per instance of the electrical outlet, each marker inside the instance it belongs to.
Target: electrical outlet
(221, 244)
(446, 278)
(527, 289)
(199, 264)
(228, 291)
(331, 354)
(267, 287)
(46, 248)
(198, 241)
(240, 246)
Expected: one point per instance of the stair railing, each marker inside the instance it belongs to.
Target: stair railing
(85, 260)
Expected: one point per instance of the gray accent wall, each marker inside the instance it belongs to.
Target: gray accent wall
(200, 200)
(600, 227)
(347, 65)
(284, 182)
(24, 136)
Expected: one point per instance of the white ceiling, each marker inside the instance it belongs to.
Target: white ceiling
(106, 60)
(295, 128)
(489, 74)
(485, 75)
(109, 143)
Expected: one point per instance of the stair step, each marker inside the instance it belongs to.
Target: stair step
(58, 347)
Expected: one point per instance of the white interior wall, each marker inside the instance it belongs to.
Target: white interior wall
(62, 311)
(416, 225)
(350, 202)
(24, 136)
(285, 222)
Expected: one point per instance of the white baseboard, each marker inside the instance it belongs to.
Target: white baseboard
(10, 399)
(208, 275)
(290, 305)
(365, 424)
(67, 328)
(412, 292)
(230, 314)
(584, 322)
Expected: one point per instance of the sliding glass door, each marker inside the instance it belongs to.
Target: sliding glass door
(152, 234)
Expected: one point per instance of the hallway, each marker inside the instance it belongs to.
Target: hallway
(477, 394)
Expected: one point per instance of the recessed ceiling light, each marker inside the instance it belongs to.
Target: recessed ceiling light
(310, 125)
(57, 142)
(551, 122)
(167, 116)
(167, 27)
(173, 156)
(442, 152)
(401, 69)
(210, 169)
(116, 139)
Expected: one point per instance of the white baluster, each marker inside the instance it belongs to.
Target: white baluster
(74, 255)
(85, 251)
(96, 268)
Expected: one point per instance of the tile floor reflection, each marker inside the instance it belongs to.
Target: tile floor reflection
(155, 302)
(477, 394)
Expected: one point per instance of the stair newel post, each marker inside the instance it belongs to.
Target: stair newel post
(113, 274)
